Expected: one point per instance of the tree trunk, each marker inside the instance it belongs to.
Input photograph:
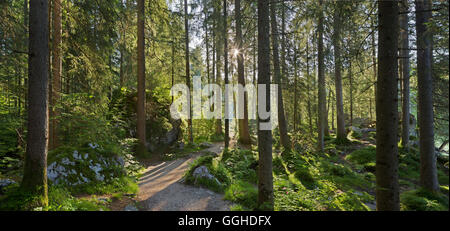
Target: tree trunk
(225, 56)
(188, 74)
(350, 78)
(374, 61)
(35, 168)
(219, 50)
(404, 57)
(441, 148)
(26, 42)
(244, 134)
(332, 113)
(387, 193)
(56, 73)
(321, 83)
(296, 102)
(341, 134)
(327, 111)
(285, 140)
(308, 79)
(141, 80)
(265, 177)
(173, 66)
(207, 43)
(428, 170)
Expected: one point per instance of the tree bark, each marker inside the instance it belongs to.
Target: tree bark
(219, 50)
(404, 32)
(244, 134)
(308, 79)
(374, 61)
(341, 134)
(35, 168)
(296, 102)
(285, 140)
(350, 78)
(141, 79)
(225, 56)
(56, 73)
(265, 177)
(428, 170)
(188, 74)
(321, 83)
(387, 192)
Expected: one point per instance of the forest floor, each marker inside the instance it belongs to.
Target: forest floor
(161, 188)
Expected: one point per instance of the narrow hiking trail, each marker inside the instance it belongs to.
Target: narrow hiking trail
(161, 188)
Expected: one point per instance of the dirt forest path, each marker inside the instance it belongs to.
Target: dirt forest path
(161, 189)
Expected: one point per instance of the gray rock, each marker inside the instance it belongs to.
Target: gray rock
(179, 145)
(206, 145)
(367, 130)
(203, 172)
(94, 145)
(5, 183)
(76, 155)
(355, 129)
(130, 207)
(372, 206)
(66, 161)
(103, 199)
(120, 161)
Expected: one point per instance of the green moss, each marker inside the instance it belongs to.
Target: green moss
(442, 178)
(423, 200)
(243, 193)
(215, 167)
(304, 175)
(444, 189)
(277, 166)
(238, 207)
(16, 198)
(59, 199)
(362, 156)
(356, 135)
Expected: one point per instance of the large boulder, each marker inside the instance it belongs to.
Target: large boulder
(75, 166)
(173, 135)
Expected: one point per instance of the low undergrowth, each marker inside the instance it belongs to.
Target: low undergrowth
(340, 179)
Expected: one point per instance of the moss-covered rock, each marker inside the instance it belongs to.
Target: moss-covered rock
(73, 166)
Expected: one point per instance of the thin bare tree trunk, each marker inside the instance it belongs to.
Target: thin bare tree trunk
(244, 134)
(141, 80)
(341, 134)
(308, 79)
(321, 83)
(284, 137)
(296, 102)
(188, 74)
(219, 130)
(56, 73)
(404, 19)
(428, 169)
(374, 61)
(350, 77)
(225, 37)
